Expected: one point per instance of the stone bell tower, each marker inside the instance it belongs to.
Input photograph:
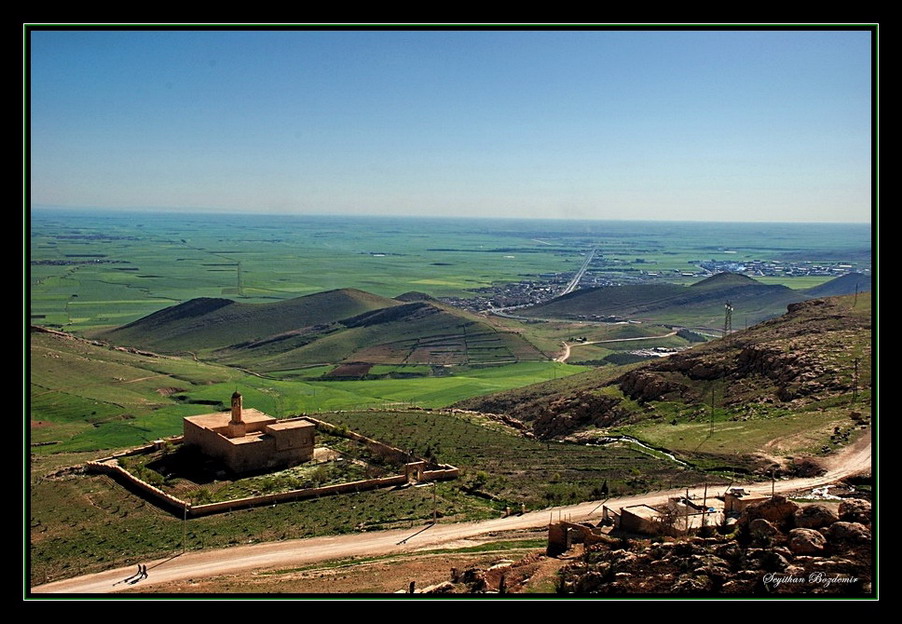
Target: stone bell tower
(237, 428)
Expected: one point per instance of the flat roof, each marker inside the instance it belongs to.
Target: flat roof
(221, 419)
(291, 424)
(643, 511)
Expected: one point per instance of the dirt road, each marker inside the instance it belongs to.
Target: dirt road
(566, 355)
(292, 553)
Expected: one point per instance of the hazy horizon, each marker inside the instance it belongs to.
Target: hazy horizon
(143, 210)
(760, 126)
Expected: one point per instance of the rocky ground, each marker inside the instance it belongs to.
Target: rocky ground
(778, 548)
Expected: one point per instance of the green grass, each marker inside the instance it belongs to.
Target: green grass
(740, 430)
(556, 473)
(88, 397)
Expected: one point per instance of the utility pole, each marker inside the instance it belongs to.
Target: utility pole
(711, 427)
(855, 381)
(434, 507)
(727, 319)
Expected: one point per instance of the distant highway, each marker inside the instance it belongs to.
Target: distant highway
(574, 283)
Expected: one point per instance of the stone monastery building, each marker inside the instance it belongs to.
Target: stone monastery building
(249, 440)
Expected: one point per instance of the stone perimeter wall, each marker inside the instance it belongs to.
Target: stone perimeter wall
(395, 454)
(105, 466)
(115, 470)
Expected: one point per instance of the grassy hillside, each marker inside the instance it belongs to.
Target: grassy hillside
(207, 323)
(412, 333)
(88, 396)
(845, 285)
(325, 328)
(797, 384)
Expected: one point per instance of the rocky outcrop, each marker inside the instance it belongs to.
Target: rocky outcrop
(814, 517)
(848, 532)
(644, 386)
(567, 414)
(763, 531)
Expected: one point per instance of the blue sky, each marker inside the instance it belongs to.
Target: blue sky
(687, 125)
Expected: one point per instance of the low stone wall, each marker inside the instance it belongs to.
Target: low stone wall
(105, 465)
(121, 473)
(395, 454)
(442, 474)
(283, 497)
(141, 450)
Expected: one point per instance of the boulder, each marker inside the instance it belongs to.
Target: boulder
(729, 551)
(777, 510)
(767, 559)
(699, 561)
(814, 517)
(763, 531)
(806, 542)
(855, 510)
(848, 532)
(739, 586)
(445, 587)
(833, 564)
(693, 584)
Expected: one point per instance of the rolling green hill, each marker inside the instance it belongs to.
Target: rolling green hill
(207, 323)
(413, 333)
(701, 304)
(325, 328)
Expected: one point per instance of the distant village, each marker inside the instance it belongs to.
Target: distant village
(613, 272)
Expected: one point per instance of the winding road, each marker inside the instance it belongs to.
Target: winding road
(854, 459)
(567, 346)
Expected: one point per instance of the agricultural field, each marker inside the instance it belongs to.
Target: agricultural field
(491, 455)
(103, 269)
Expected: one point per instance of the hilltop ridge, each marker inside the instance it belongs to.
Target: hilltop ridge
(209, 323)
(700, 304)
